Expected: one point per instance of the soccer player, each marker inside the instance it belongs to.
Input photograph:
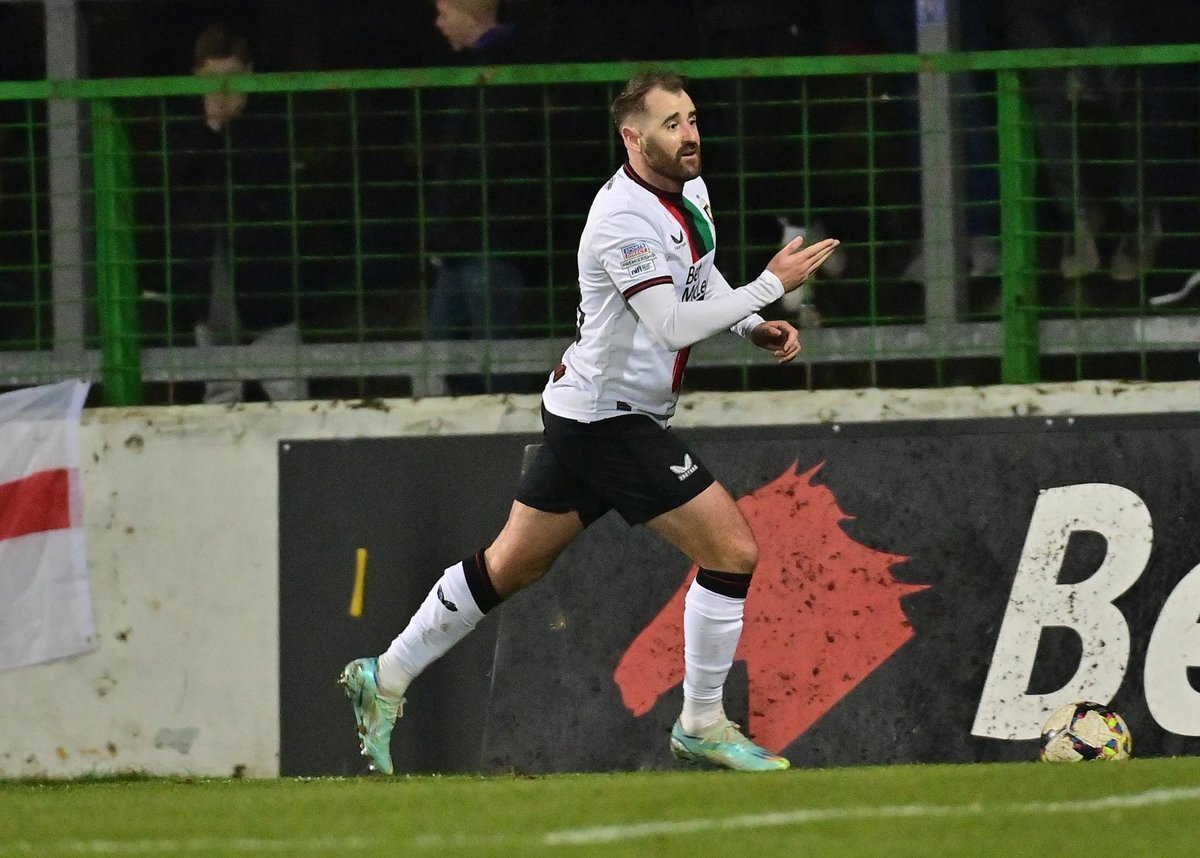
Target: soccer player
(649, 292)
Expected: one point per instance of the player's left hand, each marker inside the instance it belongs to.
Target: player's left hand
(779, 338)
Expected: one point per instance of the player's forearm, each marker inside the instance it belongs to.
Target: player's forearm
(718, 286)
(677, 325)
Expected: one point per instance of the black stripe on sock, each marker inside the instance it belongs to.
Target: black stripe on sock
(729, 584)
(480, 585)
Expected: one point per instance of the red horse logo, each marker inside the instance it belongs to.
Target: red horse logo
(823, 613)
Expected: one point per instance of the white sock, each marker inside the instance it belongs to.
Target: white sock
(712, 626)
(447, 615)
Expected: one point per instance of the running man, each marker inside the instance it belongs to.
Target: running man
(649, 292)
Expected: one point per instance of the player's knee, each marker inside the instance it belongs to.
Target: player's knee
(741, 554)
(748, 555)
(513, 573)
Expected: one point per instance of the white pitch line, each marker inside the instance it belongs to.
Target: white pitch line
(597, 834)
(778, 819)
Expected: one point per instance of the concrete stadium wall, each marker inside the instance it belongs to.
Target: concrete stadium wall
(182, 516)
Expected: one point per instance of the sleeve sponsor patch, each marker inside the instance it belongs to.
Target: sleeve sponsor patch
(631, 251)
(639, 264)
(637, 258)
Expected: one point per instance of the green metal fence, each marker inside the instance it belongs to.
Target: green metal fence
(313, 239)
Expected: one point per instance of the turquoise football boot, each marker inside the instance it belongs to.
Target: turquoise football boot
(375, 712)
(724, 744)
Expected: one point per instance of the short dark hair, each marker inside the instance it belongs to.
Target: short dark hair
(474, 7)
(632, 98)
(219, 42)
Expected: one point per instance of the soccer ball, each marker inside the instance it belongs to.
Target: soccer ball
(1086, 731)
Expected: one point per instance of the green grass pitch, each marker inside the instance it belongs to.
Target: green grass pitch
(1138, 807)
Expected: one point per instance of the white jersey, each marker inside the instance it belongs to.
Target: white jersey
(645, 258)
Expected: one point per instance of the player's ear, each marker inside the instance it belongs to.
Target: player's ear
(631, 136)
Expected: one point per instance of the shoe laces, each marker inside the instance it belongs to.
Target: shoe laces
(391, 706)
(726, 731)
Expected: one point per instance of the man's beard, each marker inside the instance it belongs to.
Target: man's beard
(671, 166)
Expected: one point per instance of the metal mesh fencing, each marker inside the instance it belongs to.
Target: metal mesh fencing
(1015, 216)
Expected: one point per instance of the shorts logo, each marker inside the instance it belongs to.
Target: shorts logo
(686, 469)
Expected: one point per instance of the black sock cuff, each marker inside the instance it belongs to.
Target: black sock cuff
(732, 585)
(478, 582)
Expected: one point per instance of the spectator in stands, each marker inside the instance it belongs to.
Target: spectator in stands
(233, 260)
(4, 288)
(775, 28)
(1056, 96)
(1168, 93)
(484, 201)
(895, 26)
(22, 58)
(3, 134)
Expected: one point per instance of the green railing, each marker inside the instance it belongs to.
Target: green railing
(343, 205)
(117, 295)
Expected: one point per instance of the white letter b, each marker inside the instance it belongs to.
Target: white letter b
(1037, 600)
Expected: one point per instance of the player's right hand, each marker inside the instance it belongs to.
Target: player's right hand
(794, 264)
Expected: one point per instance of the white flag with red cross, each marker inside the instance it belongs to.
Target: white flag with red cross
(45, 592)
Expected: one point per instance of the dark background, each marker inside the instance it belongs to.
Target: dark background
(153, 37)
(532, 689)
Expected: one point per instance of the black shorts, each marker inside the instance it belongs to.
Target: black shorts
(627, 463)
